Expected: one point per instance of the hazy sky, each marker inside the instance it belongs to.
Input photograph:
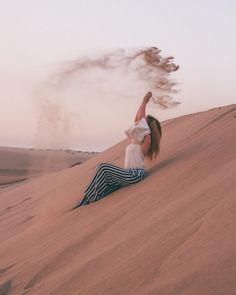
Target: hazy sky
(37, 36)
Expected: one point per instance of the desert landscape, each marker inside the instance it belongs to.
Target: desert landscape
(173, 233)
(19, 164)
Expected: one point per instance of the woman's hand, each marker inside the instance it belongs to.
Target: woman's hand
(142, 109)
(147, 96)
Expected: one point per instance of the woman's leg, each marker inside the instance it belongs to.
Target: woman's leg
(107, 179)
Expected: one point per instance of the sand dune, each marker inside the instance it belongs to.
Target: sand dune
(173, 233)
(19, 164)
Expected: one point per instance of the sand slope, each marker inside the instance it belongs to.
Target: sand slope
(173, 233)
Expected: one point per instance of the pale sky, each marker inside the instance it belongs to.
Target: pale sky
(39, 35)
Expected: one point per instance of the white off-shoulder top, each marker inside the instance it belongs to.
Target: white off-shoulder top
(134, 157)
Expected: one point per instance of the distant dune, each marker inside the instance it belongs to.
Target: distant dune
(18, 164)
(173, 233)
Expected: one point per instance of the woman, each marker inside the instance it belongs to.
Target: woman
(145, 136)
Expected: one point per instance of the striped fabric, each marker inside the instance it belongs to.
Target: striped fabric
(109, 178)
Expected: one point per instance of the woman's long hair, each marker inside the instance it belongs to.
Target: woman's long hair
(156, 134)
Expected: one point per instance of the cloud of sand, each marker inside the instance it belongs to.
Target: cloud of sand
(54, 118)
(145, 66)
(54, 122)
(89, 81)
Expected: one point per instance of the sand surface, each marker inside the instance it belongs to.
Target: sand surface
(174, 233)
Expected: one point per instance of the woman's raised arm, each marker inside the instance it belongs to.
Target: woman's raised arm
(142, 108)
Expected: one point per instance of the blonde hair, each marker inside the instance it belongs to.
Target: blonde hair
(156, 134)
